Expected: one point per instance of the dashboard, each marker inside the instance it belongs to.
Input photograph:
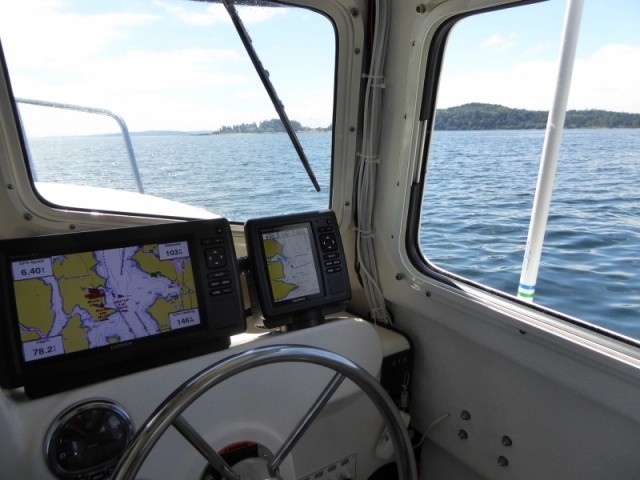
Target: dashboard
(100, 327)
(260, 406)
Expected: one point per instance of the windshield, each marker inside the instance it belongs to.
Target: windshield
(161, 98)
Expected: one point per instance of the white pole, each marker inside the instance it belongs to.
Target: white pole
(549, 160)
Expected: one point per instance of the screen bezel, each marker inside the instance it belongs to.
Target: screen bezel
(57, 373)
(307, 310)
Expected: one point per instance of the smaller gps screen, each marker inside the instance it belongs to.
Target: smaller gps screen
(82, 301)
(291, 263)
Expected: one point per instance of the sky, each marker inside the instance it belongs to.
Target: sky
(167, 65)
(512, 60)
(179, 65)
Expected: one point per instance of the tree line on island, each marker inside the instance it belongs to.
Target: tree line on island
(475, 116)
(482, 116)
(268, 126)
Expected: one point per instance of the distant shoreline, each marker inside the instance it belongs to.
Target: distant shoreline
(483, 116)
(473, 116)
(469, 117)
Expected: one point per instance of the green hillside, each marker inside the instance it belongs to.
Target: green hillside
(483, 116)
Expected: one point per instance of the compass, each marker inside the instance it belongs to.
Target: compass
(87, 439)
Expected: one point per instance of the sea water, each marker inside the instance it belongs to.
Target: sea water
(475, 216)
(477, 208)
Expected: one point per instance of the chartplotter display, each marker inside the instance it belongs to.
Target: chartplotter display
(125, 298)
(298, 268)
(79, 301)
(291, 263)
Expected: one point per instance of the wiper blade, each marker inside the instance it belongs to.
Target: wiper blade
(264, 76)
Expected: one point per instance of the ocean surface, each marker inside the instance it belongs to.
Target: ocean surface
(476, 211)
(478, 203)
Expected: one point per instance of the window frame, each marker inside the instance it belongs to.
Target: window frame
(430, 83)
(349, 36)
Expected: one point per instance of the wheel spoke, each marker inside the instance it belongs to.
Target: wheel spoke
(210, 455)
(304, 424)
(169, 411)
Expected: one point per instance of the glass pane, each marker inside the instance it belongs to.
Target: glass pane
(202, 128)
(496, 89)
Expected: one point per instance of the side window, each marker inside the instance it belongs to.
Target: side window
(119, 99)
(495, 91)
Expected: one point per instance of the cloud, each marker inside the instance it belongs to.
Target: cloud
(606, 80)
(499, 43)
(163, 71)
(217, 13)
(537, 48)
(313, 108)
(525, 86)
(39, 33)
(258, 15)
(214, 13)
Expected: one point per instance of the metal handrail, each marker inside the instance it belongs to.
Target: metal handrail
(99, 111)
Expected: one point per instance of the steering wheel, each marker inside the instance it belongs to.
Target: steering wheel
(170, 410)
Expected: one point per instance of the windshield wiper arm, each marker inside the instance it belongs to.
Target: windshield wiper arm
(264, 76)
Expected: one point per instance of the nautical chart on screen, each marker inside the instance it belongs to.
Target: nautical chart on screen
(80, 301)
(290, 260)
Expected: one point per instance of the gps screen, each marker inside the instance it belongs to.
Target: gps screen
(81, 301)
(290, 261)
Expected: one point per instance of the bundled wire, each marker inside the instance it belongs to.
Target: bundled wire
(367, 168)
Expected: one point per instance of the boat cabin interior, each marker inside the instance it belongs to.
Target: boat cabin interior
(253, 239)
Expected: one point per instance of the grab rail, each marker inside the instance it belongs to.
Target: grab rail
(100, 111)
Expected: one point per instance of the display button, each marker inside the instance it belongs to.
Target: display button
(221, 291)
(328, 242)
(330, 256)
(212, 241)
(216, 257)
(218, 274)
